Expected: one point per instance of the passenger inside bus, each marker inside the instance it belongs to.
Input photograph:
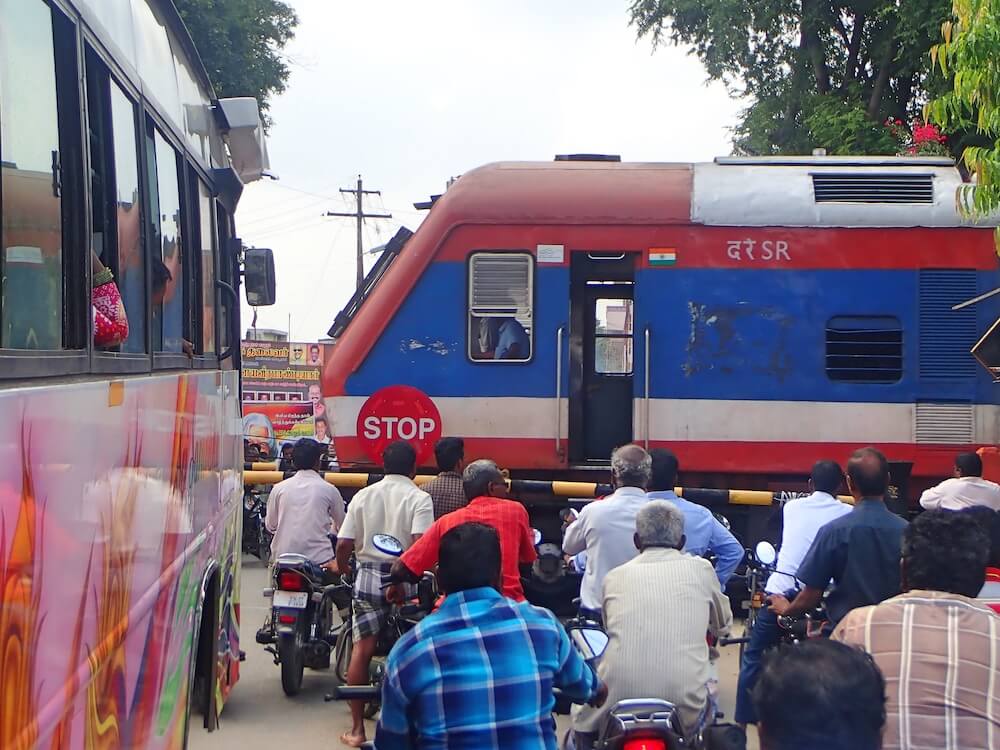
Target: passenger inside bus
(162, 277)
(503, 338)
(110, 320)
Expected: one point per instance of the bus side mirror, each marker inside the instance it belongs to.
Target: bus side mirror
(258, 276)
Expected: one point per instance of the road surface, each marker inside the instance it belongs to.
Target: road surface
(259, 716)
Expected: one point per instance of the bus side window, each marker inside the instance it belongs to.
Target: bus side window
(501, 296)
(113, 129)
(40, 308)
(165, 245)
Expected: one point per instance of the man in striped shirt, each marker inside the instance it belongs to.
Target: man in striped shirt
(938, 648)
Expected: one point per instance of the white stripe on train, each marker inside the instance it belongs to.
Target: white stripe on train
(689, 420)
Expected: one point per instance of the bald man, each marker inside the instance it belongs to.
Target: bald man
(859, 551)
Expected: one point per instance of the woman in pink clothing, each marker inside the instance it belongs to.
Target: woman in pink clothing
(110, 320)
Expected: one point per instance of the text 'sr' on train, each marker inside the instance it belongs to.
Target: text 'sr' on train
(752, 314)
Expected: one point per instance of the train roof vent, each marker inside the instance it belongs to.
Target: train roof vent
(588, 157)
(871, 187)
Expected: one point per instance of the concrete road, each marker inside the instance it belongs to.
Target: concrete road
(258, 715)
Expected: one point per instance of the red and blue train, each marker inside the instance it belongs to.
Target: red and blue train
(752, 314)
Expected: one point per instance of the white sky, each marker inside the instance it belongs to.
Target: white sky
(409, 94)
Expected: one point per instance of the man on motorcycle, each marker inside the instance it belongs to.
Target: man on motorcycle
(606, 529)
(702, 530)
(657, 610)
(479, 672)
(300, 509)
(802, 519)
(393, 506)
(486, 489)
(859, 550)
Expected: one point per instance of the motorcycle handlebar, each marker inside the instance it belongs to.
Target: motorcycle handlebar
(733, 641)
(352, 692)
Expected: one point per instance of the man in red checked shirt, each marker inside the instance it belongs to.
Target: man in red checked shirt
(486, 489)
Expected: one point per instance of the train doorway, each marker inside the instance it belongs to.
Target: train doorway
(601, 354)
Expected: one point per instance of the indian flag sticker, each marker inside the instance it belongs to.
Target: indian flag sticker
(662, 256)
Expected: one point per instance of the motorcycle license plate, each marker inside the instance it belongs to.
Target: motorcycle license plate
(295, 600)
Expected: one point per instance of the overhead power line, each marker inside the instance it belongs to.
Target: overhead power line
(360, 216)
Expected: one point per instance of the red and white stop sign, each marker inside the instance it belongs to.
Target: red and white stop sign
(399, 412)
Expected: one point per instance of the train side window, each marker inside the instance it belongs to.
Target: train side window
(864, 349)
(501, 297)
(613, 337)
(31, 197)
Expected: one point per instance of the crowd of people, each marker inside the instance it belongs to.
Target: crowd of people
(909, 661)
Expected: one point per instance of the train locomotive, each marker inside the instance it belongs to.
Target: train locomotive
(751, 314)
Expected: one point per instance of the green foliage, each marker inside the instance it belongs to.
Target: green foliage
(815, 72)
(970, 54)
(240, 42)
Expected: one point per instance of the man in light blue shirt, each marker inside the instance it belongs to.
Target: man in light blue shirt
(606, 528)
(703, 531)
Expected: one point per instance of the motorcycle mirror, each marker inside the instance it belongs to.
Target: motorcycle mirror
(590, 642)
(537, 536)
(766, 553)
(387, 544)
(723, 520)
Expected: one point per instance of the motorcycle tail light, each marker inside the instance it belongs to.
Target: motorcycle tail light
(286, 619)
(645, 743)
(289, 580)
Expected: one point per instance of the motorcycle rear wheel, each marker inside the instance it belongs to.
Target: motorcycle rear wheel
(292, 657)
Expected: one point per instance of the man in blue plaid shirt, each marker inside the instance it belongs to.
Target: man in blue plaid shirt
(479, 672)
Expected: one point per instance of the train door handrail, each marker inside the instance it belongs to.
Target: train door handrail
(646, 394)
(559, 339)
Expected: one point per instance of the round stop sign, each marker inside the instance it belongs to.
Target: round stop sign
(399, 412)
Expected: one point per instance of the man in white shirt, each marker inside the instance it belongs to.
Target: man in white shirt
(393, 506)
(605, 528)
(965, 490)
(803, 518)
(303, 509)
(658, 607)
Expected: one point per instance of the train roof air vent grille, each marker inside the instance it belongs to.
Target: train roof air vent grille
(869, 187)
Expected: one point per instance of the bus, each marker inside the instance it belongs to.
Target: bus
(120, 461)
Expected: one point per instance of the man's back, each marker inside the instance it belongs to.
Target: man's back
(510, 520)
(605, 530)
(939, 653)
(959, 493)
(704, 533)
(657, 609)
(300, 510)
(394, 505)
(803, 517)
(479, 673)
(447, 493)
(860, 552)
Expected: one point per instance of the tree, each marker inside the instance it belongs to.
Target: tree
(816, 73)
(970, 54)
(240, 43)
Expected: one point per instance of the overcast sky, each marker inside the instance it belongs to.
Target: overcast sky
(409, 94)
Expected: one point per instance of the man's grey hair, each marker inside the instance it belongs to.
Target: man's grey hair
(632, 466)
(477, 477)
(659, 524)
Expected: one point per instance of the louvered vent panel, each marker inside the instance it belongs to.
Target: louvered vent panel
(946, 336)
(831, 187)
(945, 423)
(501, 282)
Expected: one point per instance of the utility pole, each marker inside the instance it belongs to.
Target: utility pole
(360, 215)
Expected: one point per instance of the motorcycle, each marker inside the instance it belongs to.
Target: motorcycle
(402, 618)
(302, 629)
(256, 538)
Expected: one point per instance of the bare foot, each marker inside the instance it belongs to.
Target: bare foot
(352, 740)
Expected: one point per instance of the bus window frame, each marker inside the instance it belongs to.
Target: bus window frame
(75, 356)
(105, 362)
(194, 284)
